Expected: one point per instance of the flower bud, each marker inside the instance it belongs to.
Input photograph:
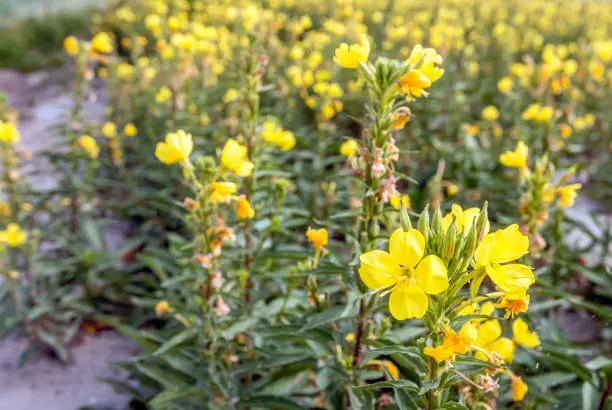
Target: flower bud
(483, 221)
(423, 224)
(448, 244)
(404, 218)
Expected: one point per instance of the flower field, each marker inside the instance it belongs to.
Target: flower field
(326, 204)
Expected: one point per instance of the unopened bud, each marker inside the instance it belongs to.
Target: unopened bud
(448, 245)
(423, 224)
(404, 218)
(483, 221)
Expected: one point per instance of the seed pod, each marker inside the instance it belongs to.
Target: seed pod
(423, 224)
(404, 218)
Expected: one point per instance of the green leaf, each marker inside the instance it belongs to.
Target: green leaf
(92, 234)
(404, 400)
(590, 397)
(323, 318)
(412, 352)
(271, 402)
(170, 395)
(176, 340)
(165, 376)
(396, 384)
(453, 405)
(552, 379)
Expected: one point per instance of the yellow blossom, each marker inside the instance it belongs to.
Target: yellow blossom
(517, 158)
(414, 83)
(350, 56)
(109, 129)
(102, 43)
(565, 130)
(397, 200)
(505, 84)
(222, 192)
(567, 195)
(71, 45)
(519, 388)
(163, 307)
(13, 236)
(463, 218)
(453, 343)
(130, 130)
(498, 248)
(163, 95)
(405, 268)
(89, 145)
(244, 210)
(318, 237)
(514, 306)
(9, 132)
(176, 148)
(490, 113)
(234, 158)
(349, 148)
(522, 334)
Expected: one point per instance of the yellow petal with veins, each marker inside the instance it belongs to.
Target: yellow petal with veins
(378, 269)
(431, 275)
(407, 301)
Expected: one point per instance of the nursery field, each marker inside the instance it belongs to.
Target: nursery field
(281, 204)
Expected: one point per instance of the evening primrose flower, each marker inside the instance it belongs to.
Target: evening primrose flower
(163, 95)
(464, 218)
(453, 343)
(414, 83)
(498, 248)
(163, 307)
(490, 113)
(284, 139)
(517, 158)
(102, 43)
(349, 148)
(176, 148)
(109, 129)
(567, 195)
(234, 158)
(565, 130)
(519, 387)
(405, 268)
(505, 85)
(71, 45)
(397, 200)
(222, 192)
(427, 61)
(13, 236)
(9, 132)
(522, 334)
(89, 145)
(489, 339)
(318, 237)
(130, 130)
(244, 210)
(514, 306)
(350, 56)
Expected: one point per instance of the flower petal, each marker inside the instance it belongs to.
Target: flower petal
(522, 334)
(488, 332)
(378, 269)
(431, 275)
(408, 301)
(407, 248)
(483, 253)
(513, 279)
(510, 244)
(504, 348)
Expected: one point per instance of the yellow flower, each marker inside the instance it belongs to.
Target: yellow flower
(531, 112)
(109, 130)
(453, 343)
(504, 246)
(397, 200)
(350, 337)
(451, 189)
(318, 237)
(163, 307)
(387, 365)
(567, 195)
(490, 113)
(71, 45)
(522, 334)
(13, 236)
(349, 148)
(234, 158)
(427, 61)
(411, 275)
(89, 144)
(9, 132)
(163, 95)
(130, 130)
(244, 210)
(565, 130)
(102, 43)
(463, 218)
(473, 130)
(516, 158)
(519, 388)
(282, 138)
(489, 339)
(221, 192)
(514, 306)
(350, 56)
(176, 148)
(414, 83)
(505, 84)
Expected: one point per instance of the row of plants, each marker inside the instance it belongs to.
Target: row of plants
(323, 213)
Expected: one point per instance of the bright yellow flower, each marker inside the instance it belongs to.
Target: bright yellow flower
(514, 306)
(565, 130)
(71, 45)
(109, 130)
(505, 84)
(234, 158)
(222, 192)
(504, 246)
(244, 210)
(163, 307)
(489, 339)
(349, 148)
(567, 195)
(163, 95)
(90, 145)
(102, 43)
(284, 139)
(9, 132)
(130, 130)
(414, 83)
(411, 275)
(490, 113)
(13, 236)
(453, 343)
(318, 237)
(519, 388)
(350, 56)
(176, 148)
(387, 365)
(463, 218)
(522, 334)
(516, 158)
(451, 189)
(397, 200)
